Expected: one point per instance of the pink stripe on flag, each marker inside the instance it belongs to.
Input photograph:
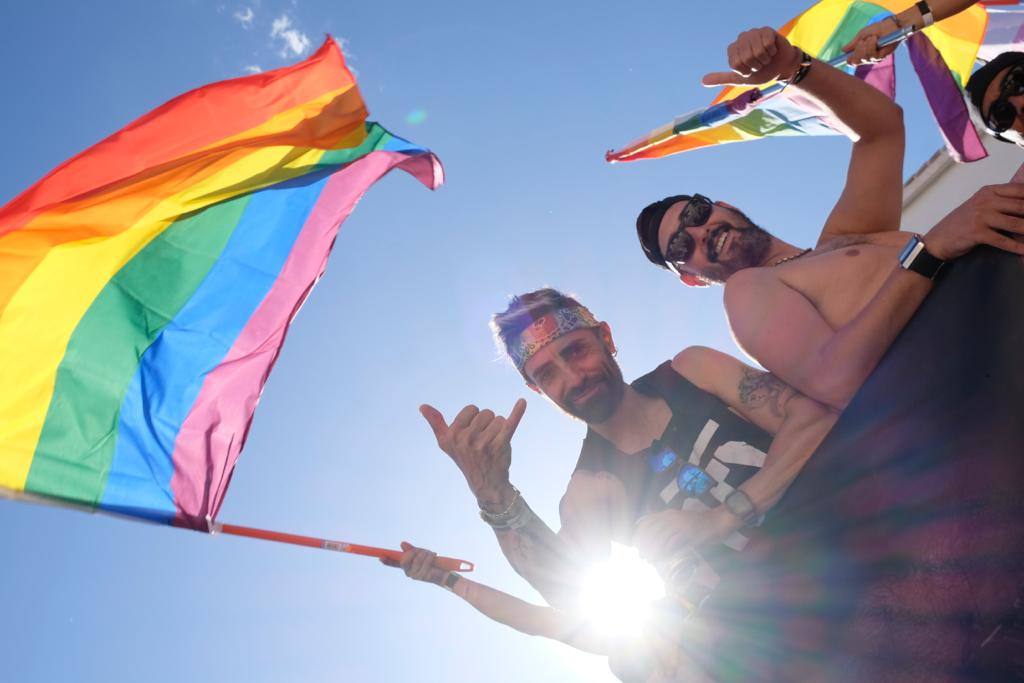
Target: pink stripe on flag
(881, 76)
(212, 435)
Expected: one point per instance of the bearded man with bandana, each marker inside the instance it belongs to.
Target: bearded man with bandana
(689, 456)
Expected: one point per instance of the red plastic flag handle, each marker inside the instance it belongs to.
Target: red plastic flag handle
(447, 563)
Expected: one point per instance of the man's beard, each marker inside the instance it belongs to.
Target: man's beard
(610, 389)
(749, 246)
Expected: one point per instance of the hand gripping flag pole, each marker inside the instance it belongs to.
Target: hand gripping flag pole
(447, 563)
(724, 112)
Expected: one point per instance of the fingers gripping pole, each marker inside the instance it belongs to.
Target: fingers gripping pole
(447, 563)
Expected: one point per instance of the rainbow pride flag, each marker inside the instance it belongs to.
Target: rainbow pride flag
(146, 285)
(943, 56)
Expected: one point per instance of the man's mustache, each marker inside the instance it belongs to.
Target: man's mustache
(574, 394)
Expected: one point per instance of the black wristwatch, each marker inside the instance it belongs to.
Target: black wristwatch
(927, 18)
(739, 504)
(915, 257)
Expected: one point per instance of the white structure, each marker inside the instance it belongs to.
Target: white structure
(941, 184)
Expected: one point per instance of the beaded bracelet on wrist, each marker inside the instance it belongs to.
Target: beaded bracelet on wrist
(802, 68)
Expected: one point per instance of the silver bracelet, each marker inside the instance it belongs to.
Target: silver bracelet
(493, 518)
(516, 516)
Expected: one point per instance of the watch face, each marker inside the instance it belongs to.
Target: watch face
(739, 504)
(910, 250)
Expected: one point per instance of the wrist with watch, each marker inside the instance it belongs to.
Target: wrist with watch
(740, 505)
(927, 17)
(916, 258)
(450, 579)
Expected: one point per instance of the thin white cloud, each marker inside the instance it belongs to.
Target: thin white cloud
(343, 44)
(245, 16)
(294, 42)
(253, 69)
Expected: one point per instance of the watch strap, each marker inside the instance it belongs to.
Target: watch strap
(926, 13)
(451, 580)
(915, 257)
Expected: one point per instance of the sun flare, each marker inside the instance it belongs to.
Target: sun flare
(619, 592)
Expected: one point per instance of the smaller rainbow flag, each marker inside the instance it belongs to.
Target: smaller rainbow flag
(943, 56)
(146, 285)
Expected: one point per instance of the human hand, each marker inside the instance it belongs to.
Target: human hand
(479, 442)
(978, 221)
(756, 57)
(418, 564)
(864, 48)
(660, 535)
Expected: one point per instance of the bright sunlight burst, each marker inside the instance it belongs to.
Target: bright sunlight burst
(618, 593)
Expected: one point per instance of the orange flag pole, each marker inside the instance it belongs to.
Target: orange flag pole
(448, 563)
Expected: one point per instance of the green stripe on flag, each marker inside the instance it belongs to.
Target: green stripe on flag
(76, 446)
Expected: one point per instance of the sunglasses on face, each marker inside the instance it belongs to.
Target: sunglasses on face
(1002, 113)
(681, 245)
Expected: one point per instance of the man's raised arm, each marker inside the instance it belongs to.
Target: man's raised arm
(479, 442)
(871, 199)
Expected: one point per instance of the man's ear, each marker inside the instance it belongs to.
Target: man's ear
(691, 280)
(605, 332)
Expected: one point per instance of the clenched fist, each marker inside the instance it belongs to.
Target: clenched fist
(757, 56)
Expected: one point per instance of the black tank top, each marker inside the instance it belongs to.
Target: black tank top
(705, 453)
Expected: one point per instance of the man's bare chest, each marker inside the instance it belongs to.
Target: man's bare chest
(841, 281)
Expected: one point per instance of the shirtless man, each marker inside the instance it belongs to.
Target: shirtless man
(820, 319)
(687, 456)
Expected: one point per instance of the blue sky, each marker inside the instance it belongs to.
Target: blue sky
(520, 101)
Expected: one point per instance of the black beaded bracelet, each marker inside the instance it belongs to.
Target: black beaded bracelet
(805, 66)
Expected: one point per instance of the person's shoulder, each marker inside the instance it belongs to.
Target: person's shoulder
(743, 286)
(695, 363)
(704, 367)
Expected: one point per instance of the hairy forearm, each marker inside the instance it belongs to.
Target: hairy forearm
(527, 618)
(847, 359)
(865, 112)
(541, 557)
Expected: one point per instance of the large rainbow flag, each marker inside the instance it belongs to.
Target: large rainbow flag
(146, 285)
(943, 56)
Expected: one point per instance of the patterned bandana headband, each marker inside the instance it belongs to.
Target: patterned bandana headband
(547, 329)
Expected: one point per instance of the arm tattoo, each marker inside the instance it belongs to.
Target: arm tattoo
(758, 389)
(541, 557)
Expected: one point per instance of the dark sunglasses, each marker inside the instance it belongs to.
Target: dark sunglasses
(1002, 113)
(681, 245)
